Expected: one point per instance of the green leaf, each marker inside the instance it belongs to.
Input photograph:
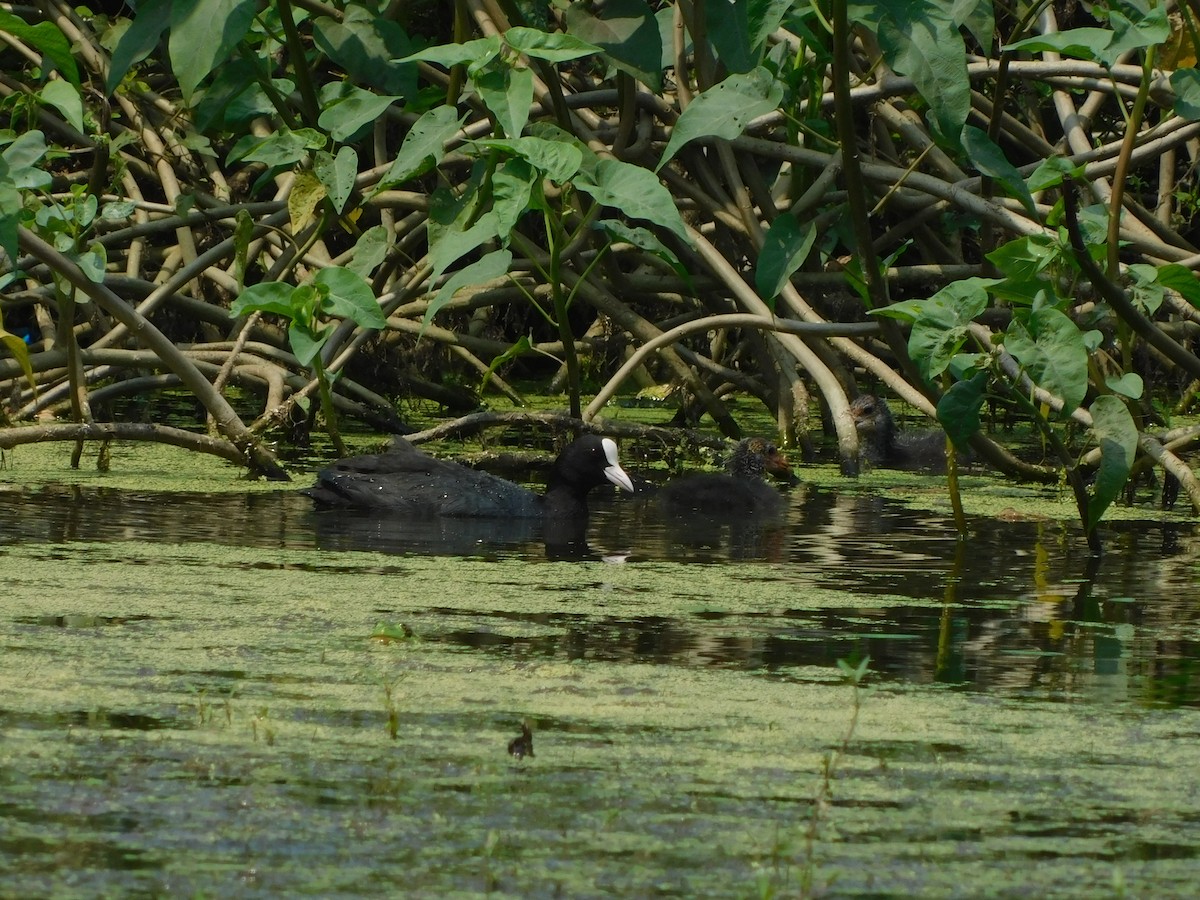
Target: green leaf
(1128, 385)
(940, 325)
(283, 148)
(21, 158)
(646, 241)
(1117, 436)
(990, 160)
(958, 410)
(337, 173)
(365, 46)
(522, 347)
(203, 34)
(478, 53)
(346, 109)
(453, 244)
(1180, 279)
(559, 160)
(636, 192)
(785, 247)
(1186, 85)
(1050, 347)
(725, 109)
(728, 28)
(370, 250)
(513, 185)
(266, 296)
(47, 37)
(350, 297)
(491, 266)
(92, 262)
(305, 196)
(64, 97)
(422, 148)
(922, 40)
(627, 34)
(307, 344)
(138, 41)
(1135, 31)
(11, 206)
(508, 93)
(1080, 43)
(548, 45)
(20, 352)
(1052, 172)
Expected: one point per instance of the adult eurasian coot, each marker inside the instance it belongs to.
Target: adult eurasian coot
(405, 480)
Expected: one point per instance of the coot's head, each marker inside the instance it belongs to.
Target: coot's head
(755, 457)
(587, 463)
(873, 420)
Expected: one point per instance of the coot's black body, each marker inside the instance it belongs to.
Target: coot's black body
(406, 481)
(741, 490)
(882, 443)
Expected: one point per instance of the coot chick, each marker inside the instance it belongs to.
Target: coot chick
(882, 443)
(741, 490)
(404, 480)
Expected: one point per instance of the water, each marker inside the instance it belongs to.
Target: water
(191, 700)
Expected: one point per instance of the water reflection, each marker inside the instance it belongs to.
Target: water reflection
(1020, 608)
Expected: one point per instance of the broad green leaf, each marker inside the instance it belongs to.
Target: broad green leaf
(958, 410)
(785, 247)
(370, 250)
(20, 352)
(118, 210)
(646, 241)
(548, 45)
(139, 40)
(284, 148)
(1180, 279)
(1117, 436)
(990, 160)
(940, 324)
(978, 17)
(307, 344)
(636, 192)
(484, 270)
(508, 92)
(1051, 173)
(21, 158)
(1136, 33)
(337, 174)
(345, 109)
(557, 159)
(1128, 385)
(203, 34)
(1050, 347)
(922, 40)
(478, 53)
(47, 37)
(10, 216)
(728, 28)
(365, 46)
(92, 262)
(513, 186)
(64, 97)
(1080, 43)
(452, 245)
(725, 109)
(1186, 85)
(303, 199)
(626, 32)
(1025, 258)
(266, 296)
(422, 148)
(350, 297)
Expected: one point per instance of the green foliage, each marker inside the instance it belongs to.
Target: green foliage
(785, 247)
(725, 109)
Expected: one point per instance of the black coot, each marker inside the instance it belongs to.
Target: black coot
(741, 490)
(882, 443)
(406, 481)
